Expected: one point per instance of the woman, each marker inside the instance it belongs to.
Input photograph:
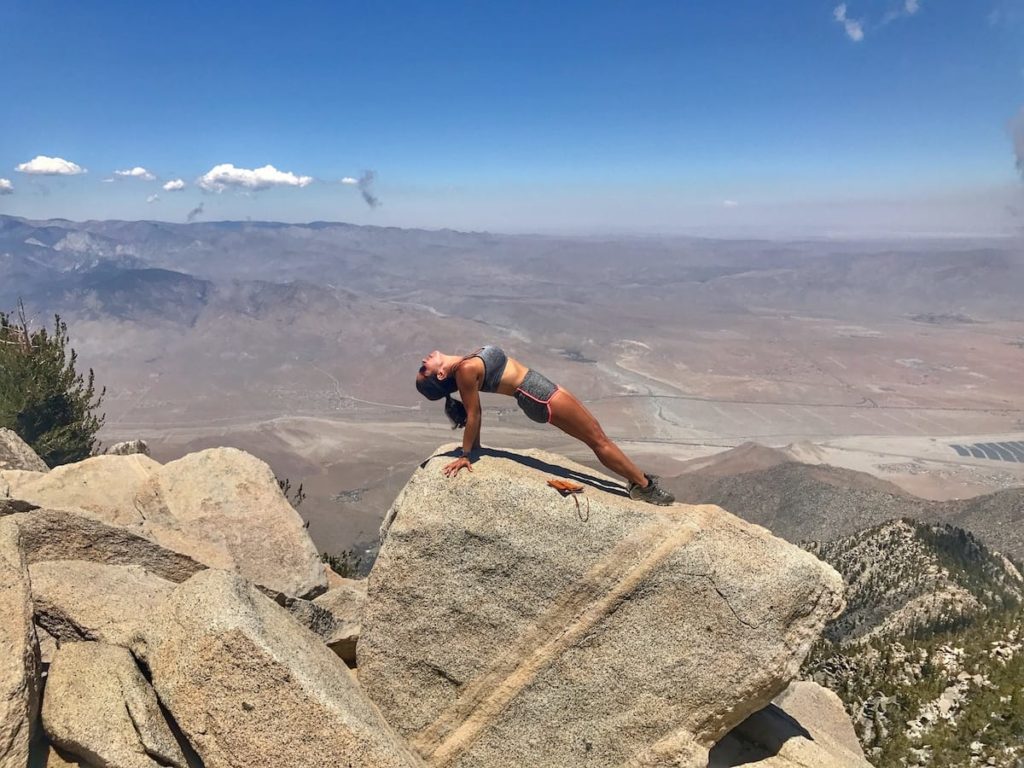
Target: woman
(489, 369)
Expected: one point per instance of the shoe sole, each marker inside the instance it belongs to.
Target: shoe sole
(656, 502)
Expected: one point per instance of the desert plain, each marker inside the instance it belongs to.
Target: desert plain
(299, 343)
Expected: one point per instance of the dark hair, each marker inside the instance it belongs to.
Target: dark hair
(455, 411)
(433, 388)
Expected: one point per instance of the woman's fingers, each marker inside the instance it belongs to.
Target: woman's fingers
(451, 470)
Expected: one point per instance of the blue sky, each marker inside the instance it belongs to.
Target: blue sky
(744, 117)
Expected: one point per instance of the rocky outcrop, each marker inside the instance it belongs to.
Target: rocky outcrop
(334, 615)
(227, 498)
(49, 534)
(221, 507)
(15, 453)
(79, 600)
(310, 615)
(805, 727)
(129, 447)
(504, 628)
(821, 712)
(250, 686)
(98, 706)
(102, 487)
(19, 661)
(344, 602)
(501, 626)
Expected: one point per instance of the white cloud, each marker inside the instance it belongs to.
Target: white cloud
(220, 177)
(152, 198)
(175, 185)
(107, 181)
(42, 165)
(906, 8)
(349, 180)
(854, 27)
(137, 172)
(6, 188)
(730, 204)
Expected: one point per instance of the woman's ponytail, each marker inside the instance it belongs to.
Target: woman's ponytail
(455, 411)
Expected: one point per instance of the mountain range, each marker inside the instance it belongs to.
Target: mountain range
(815, 502)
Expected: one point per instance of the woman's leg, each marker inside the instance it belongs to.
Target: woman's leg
(573, 418)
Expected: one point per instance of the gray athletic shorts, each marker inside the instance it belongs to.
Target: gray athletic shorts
(534, 396)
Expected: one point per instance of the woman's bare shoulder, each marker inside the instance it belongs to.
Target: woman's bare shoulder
(470, 369)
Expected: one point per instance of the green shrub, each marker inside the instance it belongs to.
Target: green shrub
(43, 398)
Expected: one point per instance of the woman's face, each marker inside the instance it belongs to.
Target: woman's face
(432, 364)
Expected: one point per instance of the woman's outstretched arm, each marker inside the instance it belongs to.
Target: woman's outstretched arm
(469, 385)
(474, 415)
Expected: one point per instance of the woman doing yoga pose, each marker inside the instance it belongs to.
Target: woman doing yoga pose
(489, 369)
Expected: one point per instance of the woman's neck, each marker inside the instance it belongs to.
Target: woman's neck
(450, 363)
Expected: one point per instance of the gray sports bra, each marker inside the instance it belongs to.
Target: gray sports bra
(495, 360)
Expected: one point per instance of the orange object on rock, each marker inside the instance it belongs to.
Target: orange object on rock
(569, 488)
(565, 487)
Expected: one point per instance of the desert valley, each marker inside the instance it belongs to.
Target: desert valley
(300, 343)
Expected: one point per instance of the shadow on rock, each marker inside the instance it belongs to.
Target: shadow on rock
(600, 483)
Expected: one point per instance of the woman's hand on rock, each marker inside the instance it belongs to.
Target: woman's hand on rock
(451, 470)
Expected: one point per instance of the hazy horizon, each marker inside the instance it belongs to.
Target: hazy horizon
(858, 119)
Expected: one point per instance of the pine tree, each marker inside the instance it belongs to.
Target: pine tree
(43, 398)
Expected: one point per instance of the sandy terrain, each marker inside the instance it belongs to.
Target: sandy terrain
(887, 398)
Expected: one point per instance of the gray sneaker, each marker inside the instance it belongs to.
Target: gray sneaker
(652, 493)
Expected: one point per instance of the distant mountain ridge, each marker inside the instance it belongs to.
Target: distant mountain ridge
(984, 276)
(815, 502)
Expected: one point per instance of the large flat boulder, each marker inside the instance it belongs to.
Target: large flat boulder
(231, 499)
(805, 727)
(15, 453)
(822, 713)
(222, 507)
(81, 600)
(99, 707)
(250, 686)
(52, 534)
(103, 487)
(505, 627)
(19, 659)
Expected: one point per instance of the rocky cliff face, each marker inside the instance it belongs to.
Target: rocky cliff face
(502, 625)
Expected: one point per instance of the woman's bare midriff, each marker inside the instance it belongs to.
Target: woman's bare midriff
(513, 376)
